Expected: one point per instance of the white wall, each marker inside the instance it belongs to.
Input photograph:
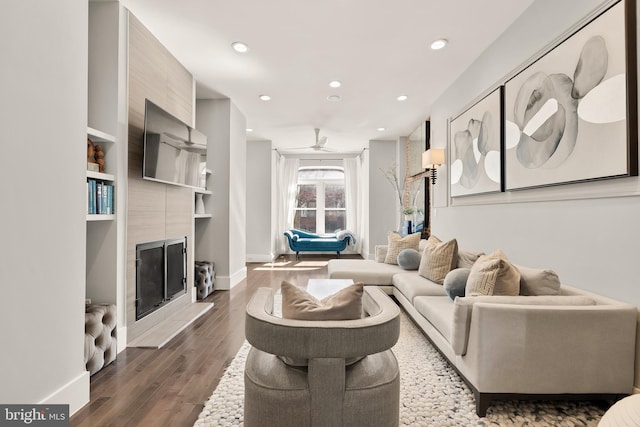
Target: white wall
(238, 195)
(225, 244)
(587, 232)
(259, 209)
(383, 205)
(43, 110)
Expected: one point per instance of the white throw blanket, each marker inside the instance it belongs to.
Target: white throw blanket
(343, 234)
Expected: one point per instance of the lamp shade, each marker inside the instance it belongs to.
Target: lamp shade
(432, 157)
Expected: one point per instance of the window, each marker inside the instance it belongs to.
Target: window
(320, 204)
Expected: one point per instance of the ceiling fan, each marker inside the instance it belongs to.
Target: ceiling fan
(321, 142)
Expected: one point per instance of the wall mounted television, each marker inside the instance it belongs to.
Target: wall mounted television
(174, 153)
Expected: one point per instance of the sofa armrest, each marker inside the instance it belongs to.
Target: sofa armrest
(304, 234)
(551, 349)
(463, 306)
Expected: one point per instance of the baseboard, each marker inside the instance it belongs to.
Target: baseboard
(225, 283)
(260, 257)
(75, 394)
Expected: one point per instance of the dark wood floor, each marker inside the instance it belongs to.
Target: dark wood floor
(168, 386)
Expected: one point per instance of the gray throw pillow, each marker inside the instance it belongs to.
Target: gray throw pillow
(535, 281)
(455, 282)
(409, 259)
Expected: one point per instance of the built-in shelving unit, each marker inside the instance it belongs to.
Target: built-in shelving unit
(107, 142)
(104, 260)
(100, 217)
(101, 176)
(101, 227)
(203, 221)
(202, 193)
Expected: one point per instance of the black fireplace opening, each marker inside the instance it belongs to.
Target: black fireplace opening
(161, 274)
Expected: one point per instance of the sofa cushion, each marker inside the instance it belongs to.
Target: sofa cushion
(409, 259)
(397, 243)
(366, 271)
(438, 311)
(538, 282)
(463, 308)
(412, 285)
(466, 258)
(455, 282)
(493, 274)
(346, 304)
(438, 259)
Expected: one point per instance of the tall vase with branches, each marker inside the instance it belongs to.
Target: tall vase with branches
(402, 192)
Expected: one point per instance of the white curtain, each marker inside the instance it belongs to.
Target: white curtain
(287, 190)
(352, 172)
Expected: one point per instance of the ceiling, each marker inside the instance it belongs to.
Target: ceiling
(377, 49)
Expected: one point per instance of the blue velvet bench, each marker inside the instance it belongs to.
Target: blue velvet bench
(302, 241)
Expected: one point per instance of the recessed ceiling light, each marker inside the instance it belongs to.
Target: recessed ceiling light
(265, 97)
(335, 83)
(438, 44)
(402, 98)
(334, 98)
(249, 130)
(381, 129)
(239, 47)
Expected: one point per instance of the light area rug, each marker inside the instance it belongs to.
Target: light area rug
(431, 394)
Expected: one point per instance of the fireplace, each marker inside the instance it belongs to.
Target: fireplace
(161, 274)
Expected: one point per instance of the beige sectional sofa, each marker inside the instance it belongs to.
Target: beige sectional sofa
(574, 344)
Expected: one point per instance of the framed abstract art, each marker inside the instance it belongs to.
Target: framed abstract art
(571, 115)
(476, 148)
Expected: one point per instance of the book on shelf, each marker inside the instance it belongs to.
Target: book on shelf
(108, 199)
(99, 209)
(100, 197)
(91, 186)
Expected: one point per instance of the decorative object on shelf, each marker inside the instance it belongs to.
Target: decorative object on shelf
(199, 204)
(91, 162)
(571, 115)
(99, 156)
(431, 159)
(476, 147)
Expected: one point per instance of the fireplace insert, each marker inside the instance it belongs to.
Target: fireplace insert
(161, 274)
